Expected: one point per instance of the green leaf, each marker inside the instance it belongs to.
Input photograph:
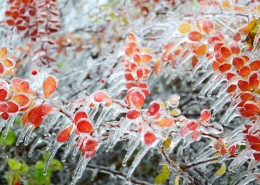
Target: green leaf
(18, 120)
(13, 164)
(10, 138)
(242, 147)
(159, 179)
(39, 177)
(25, 168)
(60, 65)
(56, 165)
(229, 180)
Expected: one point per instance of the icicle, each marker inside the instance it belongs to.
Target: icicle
(75, 152)
(186, 59)
(248, 179)
(68, 147)
(130, 150)
(93, 112)
(118, 133)
(81, 165)
(9, 124)
(228, 112)
(220, 103)
(239, 160)
(231, 117)
(114, 88)
(28, 136)
(209, 84)
(53, 152)
(22, 134)
(2, 124)
(204, 154)
(101, 117)
(202, 64)
(94, 174)
(117, 92)
(213, 87)
(137, 160)
(34, 145)
(50, 123)
(204, 77)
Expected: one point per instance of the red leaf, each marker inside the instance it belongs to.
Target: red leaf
(205, 115)
(3, 94)
(64, 135)
(254, 80)
(149, 138)
(12, 107)
(244, 85)
(84, 126)
(153, 109)
(192, 125)
(79, 115)
(195, 36)
(132, 114)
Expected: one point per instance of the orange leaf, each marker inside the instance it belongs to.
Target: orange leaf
(49, 86)
(21, 99)
(64, 134)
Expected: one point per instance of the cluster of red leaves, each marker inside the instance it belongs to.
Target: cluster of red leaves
(137, 62)
(253, 138)
(29, 17)
(83, 128)
(18, 97)
(240, 71)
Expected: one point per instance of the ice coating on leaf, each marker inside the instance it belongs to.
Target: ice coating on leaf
(36, 114)
(84, 126)
(64, 135)
(135, 97)
(102, 97)
(79, 115)
(49, 86)
(149, 138)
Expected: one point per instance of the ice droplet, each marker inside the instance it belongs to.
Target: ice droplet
(53, 152)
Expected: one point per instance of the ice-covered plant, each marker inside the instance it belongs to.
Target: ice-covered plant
(175, 79)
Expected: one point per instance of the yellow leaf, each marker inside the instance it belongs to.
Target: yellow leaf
(176, 181)
(184, 28)
(258, 8)
(175, 112)
(222, 169)
(167, 143)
